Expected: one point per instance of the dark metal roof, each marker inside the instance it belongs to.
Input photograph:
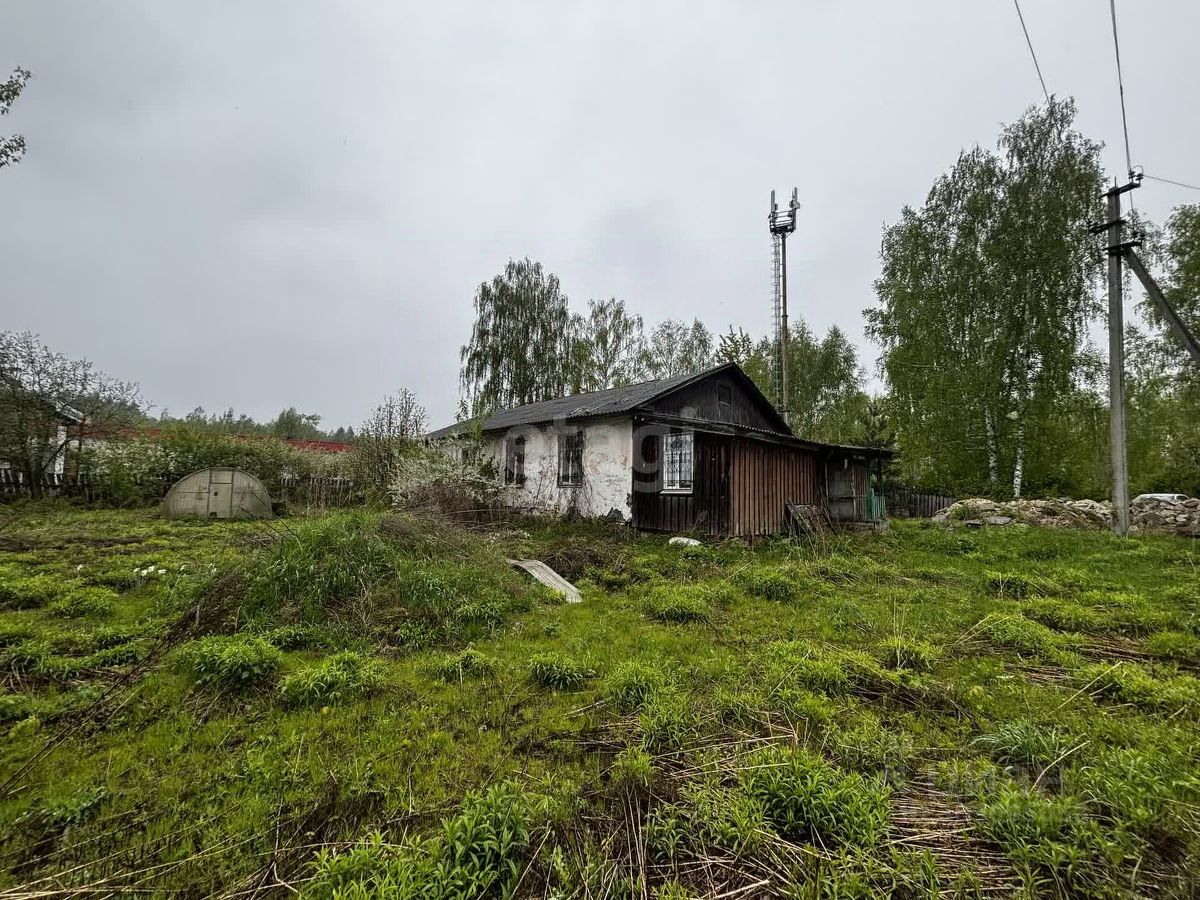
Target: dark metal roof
(609, 402)
(622, 400)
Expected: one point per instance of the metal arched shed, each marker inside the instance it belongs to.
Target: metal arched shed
(220, 492)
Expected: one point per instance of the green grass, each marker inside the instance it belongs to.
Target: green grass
(369, 704)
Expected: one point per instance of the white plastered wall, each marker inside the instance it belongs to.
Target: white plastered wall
(607, 467)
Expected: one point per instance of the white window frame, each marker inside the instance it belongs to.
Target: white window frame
(680, 445)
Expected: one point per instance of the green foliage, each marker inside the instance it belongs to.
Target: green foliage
(809, 800)
(677, 603)
(1025, 743)
(984, 299)
(479, 853)
(28, 593)
(460, 666)
(559, 671)
(1178, 646)
(915, 656)
(237, 662)
(632, 683)
(326, 562)
(340, 677)
(770, 584)
(1128, 682)
(667, 721)
(633, 769)
(1025, 637)
(86, 601)
(868, 747)
(1050, 840)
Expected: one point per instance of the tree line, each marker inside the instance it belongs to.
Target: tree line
(527, 345)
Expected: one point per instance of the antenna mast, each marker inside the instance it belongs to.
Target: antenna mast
(781, 223)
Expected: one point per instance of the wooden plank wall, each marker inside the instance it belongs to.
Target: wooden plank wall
(763, 478)
(705, 510)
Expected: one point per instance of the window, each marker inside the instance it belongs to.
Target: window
(514, 461)
(570, 458)
(724, 394)
(677, 461)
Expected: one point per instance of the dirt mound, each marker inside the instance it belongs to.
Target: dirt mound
(1149, 515)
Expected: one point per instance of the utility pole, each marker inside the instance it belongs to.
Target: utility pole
(1116, 354)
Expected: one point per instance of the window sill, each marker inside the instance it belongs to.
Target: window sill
(676, 491)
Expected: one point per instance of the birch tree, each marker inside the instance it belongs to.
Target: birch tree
(522, 336)
(12, 147)
(984, 298)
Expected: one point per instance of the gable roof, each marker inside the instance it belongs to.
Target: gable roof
(608, 402)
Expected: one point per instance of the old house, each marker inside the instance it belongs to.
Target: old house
(704, 452)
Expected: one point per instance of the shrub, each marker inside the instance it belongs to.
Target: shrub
(236, 662)
(558, 671)
(80, 602)
(632, 683)
(916, 656)
(458, 667)
(343, 676)
(28, 593)
(809, 800)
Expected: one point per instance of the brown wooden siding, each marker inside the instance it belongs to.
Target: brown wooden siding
(741, 487)
(705, 509)
(703, 401)
(763, 479)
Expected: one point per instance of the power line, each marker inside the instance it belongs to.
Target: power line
(1182, 184)
(1017, 4)
(1112, 8)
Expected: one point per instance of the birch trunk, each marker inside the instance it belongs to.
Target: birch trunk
(1019, 460)
(992, 452)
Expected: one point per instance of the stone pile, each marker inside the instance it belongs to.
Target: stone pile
(1149, 515)
(1171, 516)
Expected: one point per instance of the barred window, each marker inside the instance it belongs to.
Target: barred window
(514, 461)
(677, 461)
(570, 458)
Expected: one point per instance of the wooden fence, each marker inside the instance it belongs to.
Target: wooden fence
(310, 491)
(909, 503)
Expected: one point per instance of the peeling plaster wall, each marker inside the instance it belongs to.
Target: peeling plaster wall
(607, 467)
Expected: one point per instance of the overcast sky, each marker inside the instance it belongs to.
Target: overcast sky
(267, 204)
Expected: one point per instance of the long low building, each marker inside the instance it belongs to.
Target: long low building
(703, 453)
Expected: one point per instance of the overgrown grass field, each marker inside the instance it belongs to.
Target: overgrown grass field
(375, 704)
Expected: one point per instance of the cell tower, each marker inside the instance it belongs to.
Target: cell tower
(782, 223)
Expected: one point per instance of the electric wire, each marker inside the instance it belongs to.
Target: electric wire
(1037, 67)
(1112, 7)
(1182, 184)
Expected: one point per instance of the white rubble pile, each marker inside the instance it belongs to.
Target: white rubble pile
(1150, 515)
